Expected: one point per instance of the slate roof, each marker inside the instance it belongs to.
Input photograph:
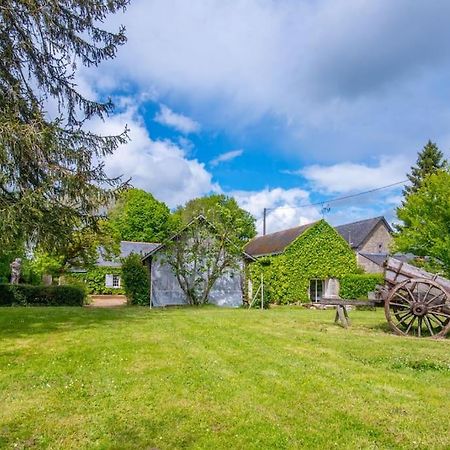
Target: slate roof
(356, 233)
(377, 258)
(381, 258)
(126, 248)
(274, 243)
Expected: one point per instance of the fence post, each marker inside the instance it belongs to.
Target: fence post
(150, 266)
(262, 291)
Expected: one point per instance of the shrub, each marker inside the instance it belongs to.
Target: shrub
(28, 295)
(135, 280)
(358, 286)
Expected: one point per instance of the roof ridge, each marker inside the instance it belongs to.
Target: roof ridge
(285, 230)
(362, 220)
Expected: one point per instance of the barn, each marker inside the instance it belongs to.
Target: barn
(165, 288)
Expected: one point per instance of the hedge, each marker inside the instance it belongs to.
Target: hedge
(135, 280)
(319, 252)
(358, 286)
(28, 295)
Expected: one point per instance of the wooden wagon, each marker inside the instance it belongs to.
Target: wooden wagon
(416, 303)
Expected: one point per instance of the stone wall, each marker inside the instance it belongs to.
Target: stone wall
(380, 236)
(378, 243)
(367, 265)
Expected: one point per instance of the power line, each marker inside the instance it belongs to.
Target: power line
(337, 198)
(323, 202)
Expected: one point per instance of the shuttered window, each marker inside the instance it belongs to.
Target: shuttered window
(109, 280)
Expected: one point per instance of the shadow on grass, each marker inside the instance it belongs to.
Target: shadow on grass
(19, 321)
(23, 321)
(381, 326)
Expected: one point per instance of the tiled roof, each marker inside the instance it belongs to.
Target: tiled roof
(356, 233)
(126, 248)
(274, 243)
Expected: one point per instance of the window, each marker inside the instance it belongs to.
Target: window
(380, 247)
(112, 281)
(116, 281)
(315, 290)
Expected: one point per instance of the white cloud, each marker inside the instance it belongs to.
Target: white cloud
(332, 70)
(227, 156)
(181, 123)
(163, 168)
(282, 204)
(158, 166)
(351, 177)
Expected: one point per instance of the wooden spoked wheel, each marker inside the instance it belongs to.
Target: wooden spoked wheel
(418, 307)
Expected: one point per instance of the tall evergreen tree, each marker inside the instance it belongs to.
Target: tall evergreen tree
(429, 160)
(52, 179)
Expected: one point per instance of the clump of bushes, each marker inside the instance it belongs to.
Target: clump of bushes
(135, 280)
(357, 286)
(28, 295)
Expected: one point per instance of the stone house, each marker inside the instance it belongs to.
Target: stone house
(370, 239)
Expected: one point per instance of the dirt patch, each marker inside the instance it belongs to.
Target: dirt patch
(107, 301)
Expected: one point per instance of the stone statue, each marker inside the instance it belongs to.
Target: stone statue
(16, 265)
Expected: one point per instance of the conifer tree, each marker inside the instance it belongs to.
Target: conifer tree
(429, 160)
(52, 179)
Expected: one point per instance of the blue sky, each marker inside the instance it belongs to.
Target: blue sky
(278, 103)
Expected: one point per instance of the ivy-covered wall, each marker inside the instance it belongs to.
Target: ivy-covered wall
(320, 252)
(94, 279)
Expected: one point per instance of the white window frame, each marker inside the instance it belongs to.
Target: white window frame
(315, 281)
(116, 281)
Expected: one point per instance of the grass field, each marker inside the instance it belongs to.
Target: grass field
(215, 378)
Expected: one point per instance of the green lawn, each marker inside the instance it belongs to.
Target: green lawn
(216, 378)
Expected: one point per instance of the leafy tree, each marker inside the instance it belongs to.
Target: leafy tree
(426, 220)
(135, 280)
(210, 244)
(429, 161)
(52, 178)
(138, 216)
(224, 213)
(80, 250)
(199, 255)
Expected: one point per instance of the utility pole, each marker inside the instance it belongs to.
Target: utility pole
(264, 221)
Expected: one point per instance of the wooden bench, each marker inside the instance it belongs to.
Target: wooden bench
(341, 308)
